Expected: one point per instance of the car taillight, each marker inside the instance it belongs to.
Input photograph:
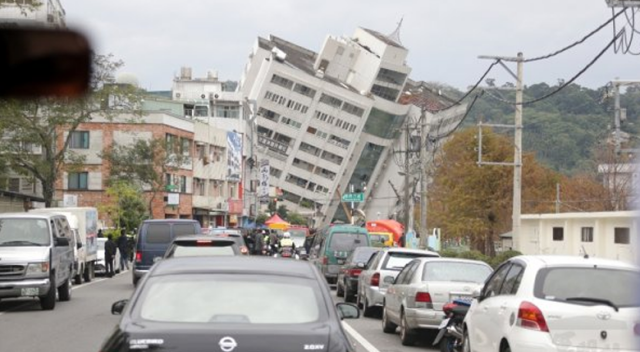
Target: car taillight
(325, 260)
(138, 257)
(203, 243)
(375, 279)
(244, 250)
(530, 317)
(423, 300)
(354, 272)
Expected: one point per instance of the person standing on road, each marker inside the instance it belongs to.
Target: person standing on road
(274, 241)
(110, 249)
(258, 242)
(123, 247)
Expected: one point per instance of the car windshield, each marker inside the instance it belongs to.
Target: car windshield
(589, 285)
(456, 271)
(344, 241)
(192, 251)
(225, 299)
(24, 232)
(397, 260)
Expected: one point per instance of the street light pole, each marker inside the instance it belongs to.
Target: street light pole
(424, 182)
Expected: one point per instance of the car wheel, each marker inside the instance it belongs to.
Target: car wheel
(466, 343)
(339, 289)
(48, 301)
(506, 348)
(64, 291)
(135, 280)
(88, 272)
(387, 326)
(366, 310)
(407, 336)
(77, 280)
(348, 295)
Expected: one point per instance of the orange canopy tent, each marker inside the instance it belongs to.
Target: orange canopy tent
(396, 228)
(276, 222)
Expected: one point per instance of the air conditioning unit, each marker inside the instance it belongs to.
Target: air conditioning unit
(213, 96)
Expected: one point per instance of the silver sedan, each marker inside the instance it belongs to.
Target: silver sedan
(415, 299)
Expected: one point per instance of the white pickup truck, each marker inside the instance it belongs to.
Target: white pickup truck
(83, 221)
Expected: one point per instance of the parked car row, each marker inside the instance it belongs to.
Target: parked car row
(529, 303)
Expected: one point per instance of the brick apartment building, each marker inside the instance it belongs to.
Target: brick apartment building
(86, 186)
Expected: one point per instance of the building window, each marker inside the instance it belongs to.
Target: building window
(558, 234)
(304, 90)
(281, 81)
(183, 184)
(228, 111)
(587, 234)
(78, 180)
(352, 109)
(621, 235)
(331, 101)
(79, 140)
(14, 185)
(185, 147)
(290, 122)
(171, 143)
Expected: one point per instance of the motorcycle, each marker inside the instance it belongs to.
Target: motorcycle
(451, 335)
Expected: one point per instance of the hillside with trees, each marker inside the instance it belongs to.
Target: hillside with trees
(566, 129)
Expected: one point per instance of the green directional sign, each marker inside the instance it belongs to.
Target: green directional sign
(353, 197)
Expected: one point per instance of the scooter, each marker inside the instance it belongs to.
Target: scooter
(451, 335)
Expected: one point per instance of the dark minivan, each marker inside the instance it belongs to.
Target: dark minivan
(154, 237)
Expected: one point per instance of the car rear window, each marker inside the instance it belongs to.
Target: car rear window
(363, 255)
(158, 233)
(184, 229)
(182, 251)
(345, 241)
(397, 260)
(589, 284)
(236, 299)
(456, 272)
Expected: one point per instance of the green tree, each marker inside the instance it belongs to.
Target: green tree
(31, 128)
(282, 211)
(126, 206)
(295, 218)
(145, 163)
(261, 218)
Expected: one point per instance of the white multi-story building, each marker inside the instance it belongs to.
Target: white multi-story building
(328, 120)
(32, 13)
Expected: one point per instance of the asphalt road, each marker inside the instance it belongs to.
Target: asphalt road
(83, 323)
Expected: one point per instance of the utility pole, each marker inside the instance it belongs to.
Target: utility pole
(424, 182)
(407, 178)
(557, 198)
(517, 159)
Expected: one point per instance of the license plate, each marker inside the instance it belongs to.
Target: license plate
(340, 261)
(443, 324)
(29, 291)
(463, 298)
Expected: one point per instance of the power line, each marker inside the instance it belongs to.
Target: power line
(450, 132)
(475, 86)
(613, 18)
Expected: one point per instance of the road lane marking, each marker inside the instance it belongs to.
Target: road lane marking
(87, 284)
(361, 340)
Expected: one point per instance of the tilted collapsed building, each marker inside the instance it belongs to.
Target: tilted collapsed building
(328, 122)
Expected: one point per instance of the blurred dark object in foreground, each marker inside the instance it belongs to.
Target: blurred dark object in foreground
(41, 62)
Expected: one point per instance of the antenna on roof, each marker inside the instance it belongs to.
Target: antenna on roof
(395, 36)
(586, 255)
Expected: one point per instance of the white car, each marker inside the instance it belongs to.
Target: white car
(556, 303)
(380, 272)
(423, 287)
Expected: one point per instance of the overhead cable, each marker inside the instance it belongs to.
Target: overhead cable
(612, 19)
(475, 86)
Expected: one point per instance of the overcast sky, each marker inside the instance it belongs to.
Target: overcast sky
(156, 37)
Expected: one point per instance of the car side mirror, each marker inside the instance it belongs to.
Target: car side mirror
(62, 242)
(79, 245)
(348, 311)
(389, 280)
(118, 307)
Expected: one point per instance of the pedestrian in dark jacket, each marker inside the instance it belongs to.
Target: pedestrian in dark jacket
(110, 249)
(401, 240)
(123, 247)
(258, 242)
